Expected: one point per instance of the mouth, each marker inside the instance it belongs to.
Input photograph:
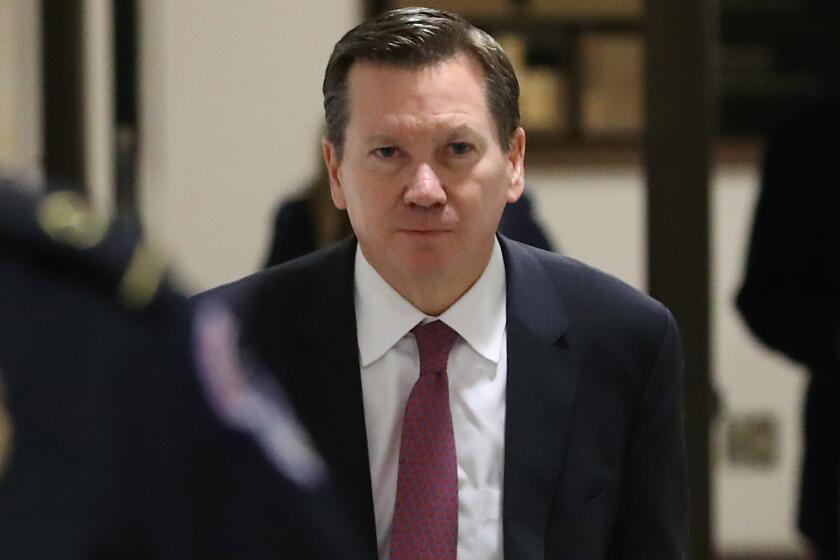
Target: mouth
(428, 232)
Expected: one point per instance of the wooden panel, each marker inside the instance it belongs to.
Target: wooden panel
(586, 8)
(680, 117)
(611, 95)
(62, 93)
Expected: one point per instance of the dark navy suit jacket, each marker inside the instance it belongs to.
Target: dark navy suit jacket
(594, 451)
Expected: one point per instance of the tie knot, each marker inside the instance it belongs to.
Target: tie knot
(434, 341)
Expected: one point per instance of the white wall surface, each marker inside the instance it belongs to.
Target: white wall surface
(231, 110)
(20, 86)
(596, 215)
(97, 68)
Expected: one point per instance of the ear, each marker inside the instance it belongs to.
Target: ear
(516, 165)
(333, 163)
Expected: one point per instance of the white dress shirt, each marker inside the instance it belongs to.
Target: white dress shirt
(477, 372)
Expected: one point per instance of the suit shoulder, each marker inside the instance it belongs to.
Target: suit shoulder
(610, 319)
(601, 300)
(578, 278)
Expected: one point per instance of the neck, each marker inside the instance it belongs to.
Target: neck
(434, 293)
(432, 301)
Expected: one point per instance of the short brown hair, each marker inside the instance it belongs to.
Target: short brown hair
(415, 38)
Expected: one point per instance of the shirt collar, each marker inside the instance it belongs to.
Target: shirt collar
(384, 316)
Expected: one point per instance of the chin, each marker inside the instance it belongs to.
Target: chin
(425, 263)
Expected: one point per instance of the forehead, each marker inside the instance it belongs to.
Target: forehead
(449, 92)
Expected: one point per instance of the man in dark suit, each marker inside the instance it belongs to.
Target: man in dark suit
(474, 397)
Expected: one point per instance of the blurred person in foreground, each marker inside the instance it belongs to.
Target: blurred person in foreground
(128, 430)
(473, 397)
(790, 296)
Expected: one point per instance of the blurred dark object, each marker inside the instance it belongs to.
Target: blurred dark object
(752, 441)
(127, 126)
(62, 93)
(307, 223)
(93, 360)
(108, 448)
(790, 296)
(518, 223)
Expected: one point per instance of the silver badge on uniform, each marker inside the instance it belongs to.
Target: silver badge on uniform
(248, 399)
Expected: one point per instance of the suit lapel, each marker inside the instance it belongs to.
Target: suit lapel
(541, 382)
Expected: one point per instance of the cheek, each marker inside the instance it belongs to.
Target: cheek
(354, 196)
(489, 207)
(493, 187)
(365, 204)
(375, 193)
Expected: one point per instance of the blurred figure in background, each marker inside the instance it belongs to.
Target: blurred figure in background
(311, 221)
(307, 222)
(108, 448)
(790, 296)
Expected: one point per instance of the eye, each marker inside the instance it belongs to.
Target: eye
(386, 152)
(460, 148)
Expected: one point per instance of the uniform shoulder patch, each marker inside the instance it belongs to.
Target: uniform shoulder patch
(68, 221)
(67, 218)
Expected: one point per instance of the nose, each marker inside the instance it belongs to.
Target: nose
(424, 188)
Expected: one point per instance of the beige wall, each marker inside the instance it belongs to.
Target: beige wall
(98, 86)
(231, 115)
(20, 102)
(596, 215)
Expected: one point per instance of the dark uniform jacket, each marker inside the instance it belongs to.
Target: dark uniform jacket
(108, 449)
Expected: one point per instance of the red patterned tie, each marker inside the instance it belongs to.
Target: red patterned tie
(425, 523)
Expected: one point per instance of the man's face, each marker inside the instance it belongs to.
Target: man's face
(423, 176)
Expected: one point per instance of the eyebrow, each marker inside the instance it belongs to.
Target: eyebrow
(461, 130)
(378, 139)
(388, 140)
